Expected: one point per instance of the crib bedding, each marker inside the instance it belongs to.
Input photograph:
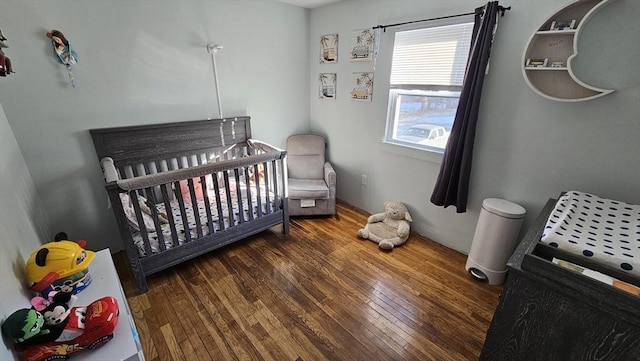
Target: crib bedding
(604, 230)
(265, 206)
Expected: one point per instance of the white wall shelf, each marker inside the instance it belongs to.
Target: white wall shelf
(560, 83)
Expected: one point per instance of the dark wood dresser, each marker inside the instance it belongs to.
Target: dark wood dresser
(550, 313)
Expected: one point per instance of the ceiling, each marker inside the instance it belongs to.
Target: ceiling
(309, 4)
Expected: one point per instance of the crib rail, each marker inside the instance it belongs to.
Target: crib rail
(237, 191)
(152, 179)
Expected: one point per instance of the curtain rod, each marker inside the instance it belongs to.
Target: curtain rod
(502, 9)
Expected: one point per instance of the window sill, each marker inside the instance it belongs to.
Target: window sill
(411, 152)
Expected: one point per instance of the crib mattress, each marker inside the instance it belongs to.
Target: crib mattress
(191, 219)
(604, 230)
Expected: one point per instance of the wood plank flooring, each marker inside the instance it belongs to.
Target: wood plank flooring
(319, 293)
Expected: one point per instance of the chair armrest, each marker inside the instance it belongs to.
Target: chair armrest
(329, 175)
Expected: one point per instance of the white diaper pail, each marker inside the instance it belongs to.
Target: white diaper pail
(494, 240)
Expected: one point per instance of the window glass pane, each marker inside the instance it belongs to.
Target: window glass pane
(424, 119)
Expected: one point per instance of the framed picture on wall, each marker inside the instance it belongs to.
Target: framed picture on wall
(327, 85)
(362, 42)
(362, 86)
(329, 48)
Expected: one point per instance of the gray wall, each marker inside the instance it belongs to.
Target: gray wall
(142, 62)
(527, 148)
(23, 222)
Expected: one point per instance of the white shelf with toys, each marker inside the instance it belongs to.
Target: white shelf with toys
(125, 344)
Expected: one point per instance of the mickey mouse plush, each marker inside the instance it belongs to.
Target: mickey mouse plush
(55, 309)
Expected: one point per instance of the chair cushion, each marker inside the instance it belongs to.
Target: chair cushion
(308, 189)
(305, 153)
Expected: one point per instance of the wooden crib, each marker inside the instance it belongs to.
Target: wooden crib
(179, 190)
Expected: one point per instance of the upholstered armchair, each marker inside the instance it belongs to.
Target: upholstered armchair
(312, 180)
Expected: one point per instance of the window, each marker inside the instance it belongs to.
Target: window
(427, 72)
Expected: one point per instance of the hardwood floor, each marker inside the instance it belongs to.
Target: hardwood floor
(319, 293)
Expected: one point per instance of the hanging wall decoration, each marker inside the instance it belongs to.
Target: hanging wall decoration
(362, 45)
(362, 86)
(63, 50)
(5, 62)
(327, 84)
(329, 48)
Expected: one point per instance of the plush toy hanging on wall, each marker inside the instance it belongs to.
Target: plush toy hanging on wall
(65, 53)
(5, 63)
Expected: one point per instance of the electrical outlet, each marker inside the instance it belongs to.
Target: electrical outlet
(365, 179)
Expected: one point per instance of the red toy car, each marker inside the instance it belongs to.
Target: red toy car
(88, 328)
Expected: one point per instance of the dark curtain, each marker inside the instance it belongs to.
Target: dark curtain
(452, 185)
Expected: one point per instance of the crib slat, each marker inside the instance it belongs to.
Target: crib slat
(140, 170)
(227, 189)
(207, 204)
(174, 164)
(249, 195)
(182, 162)
(194, 208)
(241, 218)
(259, 212)
(276, 198)
(169, 210)
(134, 171)
(163, 165)
(216, 189)
(156, 219)
(183, 212)
(148, 167)
(133, 197)
(267, 186)
(121, 172)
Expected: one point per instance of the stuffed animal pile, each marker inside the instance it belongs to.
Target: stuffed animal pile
(44, 322)
(390, 228)
(53, 328)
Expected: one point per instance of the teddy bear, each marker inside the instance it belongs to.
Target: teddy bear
(389, 229)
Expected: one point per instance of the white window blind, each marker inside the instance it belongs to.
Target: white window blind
(431, 56)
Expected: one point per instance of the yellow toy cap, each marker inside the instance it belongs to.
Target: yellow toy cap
(64, 258)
